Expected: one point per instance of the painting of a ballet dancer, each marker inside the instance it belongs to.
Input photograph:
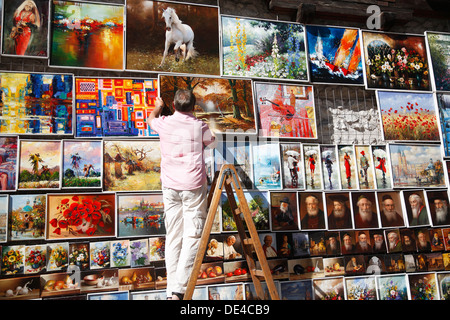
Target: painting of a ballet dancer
(347, 167)
(172, 37)
(25, 28)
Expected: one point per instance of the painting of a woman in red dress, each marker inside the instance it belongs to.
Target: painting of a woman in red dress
(348, 171)
(26, 19)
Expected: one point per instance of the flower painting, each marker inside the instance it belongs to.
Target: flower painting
(73, 216)
(87, 35)
(35, 259)
(392, 287)
(329, 289)
(120, 253)
(361, 288)
(439, 50)
(334, 55)
(263, 49)
(408, 116)
(13, 260)
(395, 61)
(99, 255)
(423, 286)
(286, 111)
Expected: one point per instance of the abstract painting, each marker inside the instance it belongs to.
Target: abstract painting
(439, 51)
(408, 116)
(27, 217)
(39, 164)
(334, 55)
(395, 61)
(34, 103)
(263, 49)
(87, 35)
(131, 165)
(25, 28)
(82, 164)
(154, 41)
(226, 105)
(266, 166)
(383, 176)
(292, 166)
(443, 100)
(117, 107)
(8, 164)
(286, 111)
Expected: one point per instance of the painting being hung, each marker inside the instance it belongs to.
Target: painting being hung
(263, 49)
(225, 104)
(172, 37)
(395, 61)
(87, 35)
(439, 51)
(334, 55)
(25, 28)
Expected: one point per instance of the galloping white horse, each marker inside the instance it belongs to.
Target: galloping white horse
(179, 34)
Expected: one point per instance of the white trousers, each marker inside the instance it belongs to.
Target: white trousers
(185, 216)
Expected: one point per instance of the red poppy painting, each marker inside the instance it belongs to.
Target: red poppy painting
(80, 215)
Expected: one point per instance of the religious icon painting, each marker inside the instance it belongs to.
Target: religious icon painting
(39, 164)
(13, 260)
(334, 55)
(27, 216)
(390, 209)
(313, 167)
(423, 286)
(438, 45)
(266, 166)
(329, 289)
(8, 165)
(416, 207)
(153, 28)
(361, 288)
(339, 212)
(347, 167)
(99, 255)
(408, 116)
(25, 28)
(365, 167)
(285, 111)
(438, 203)
(443, 101)
(292, 165)
(330, 167)
(296, 290)
(283, 55)
(97, 28)
(4, 212)
(312, 215)
(392, 287)
(381, 163)
(284, 211)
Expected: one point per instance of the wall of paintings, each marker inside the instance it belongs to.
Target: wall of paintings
(339, 136)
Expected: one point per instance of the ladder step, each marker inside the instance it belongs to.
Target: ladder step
(258, 273)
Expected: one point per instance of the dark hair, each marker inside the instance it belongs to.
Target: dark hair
(184, 100)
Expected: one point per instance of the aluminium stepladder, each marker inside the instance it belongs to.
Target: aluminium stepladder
(227, 178)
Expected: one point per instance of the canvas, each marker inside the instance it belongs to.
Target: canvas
(82, 165)
(25, 28)
(438, 45)
(58, 256)
(329, 289)
(28, 216)
(311, 207)
(34, 103)
(284, 211)
(313, 167)
(225, 104)
(153, 41)
(443, 100)
(139, 252)
(383, 176)
(416, 209)
(347, 167)
(285, 111)
(438, 203)
(35, 259)
(330, 167)
(365, 167)
(87, 35)
(109, 296)
(292, 165)
(361, 288)
(99, 255)
(13, 259)
(131, 165)
(266, 166)
(334, 55)
(296, 290)
(39, 164)
(395, 61)
(4, 211)
(392, 287)
(8, 165)
(339, 212)
(390, 209)
(114, 107)
(263, 49)
(120, 253)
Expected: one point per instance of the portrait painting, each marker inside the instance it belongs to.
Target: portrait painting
(114, 107)
(131, 165)
(417, 166)
(347, 167)
(172, 37)
(329, 289)
(36, 103)
(395, 61)
(28, 219)
(266, 166)
(339, 210)
(354, 265)
(4, 212)
(365, 167)
(266, 49)
(348, 242)
(436, 239)
(380, 159)
(408, 239)
(25, 28)
(423, 239)
(443, 101)
(393, 240)
(438, 203)
(363, 242)
(8, 164)
(292, 165)
(439, 51)
(82, 165)
(284, 244)
(284, 211)
(330, 167)
(285, 111)
(416, 208)
(392, 287)
(39, 164)
(312, 215)
(408, 116)
(87, 35)
(423, 286)
(332, 243)
(225, 104)
(312, 167)
(390, 209)
(361, 288)
(334, 55)
(378, 241)
(140, 215)
(78, 216)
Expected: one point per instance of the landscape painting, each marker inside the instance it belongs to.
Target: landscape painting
(256, 48)
(131, 165)
(82, 164)
(286, 111)
(226, 105)
(439, 51)
(154, 41)
(334, 55)
(27, 217)
(87, 35)
(34, 103)
(39, 164)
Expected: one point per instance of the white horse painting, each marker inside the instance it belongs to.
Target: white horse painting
(179, 34)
